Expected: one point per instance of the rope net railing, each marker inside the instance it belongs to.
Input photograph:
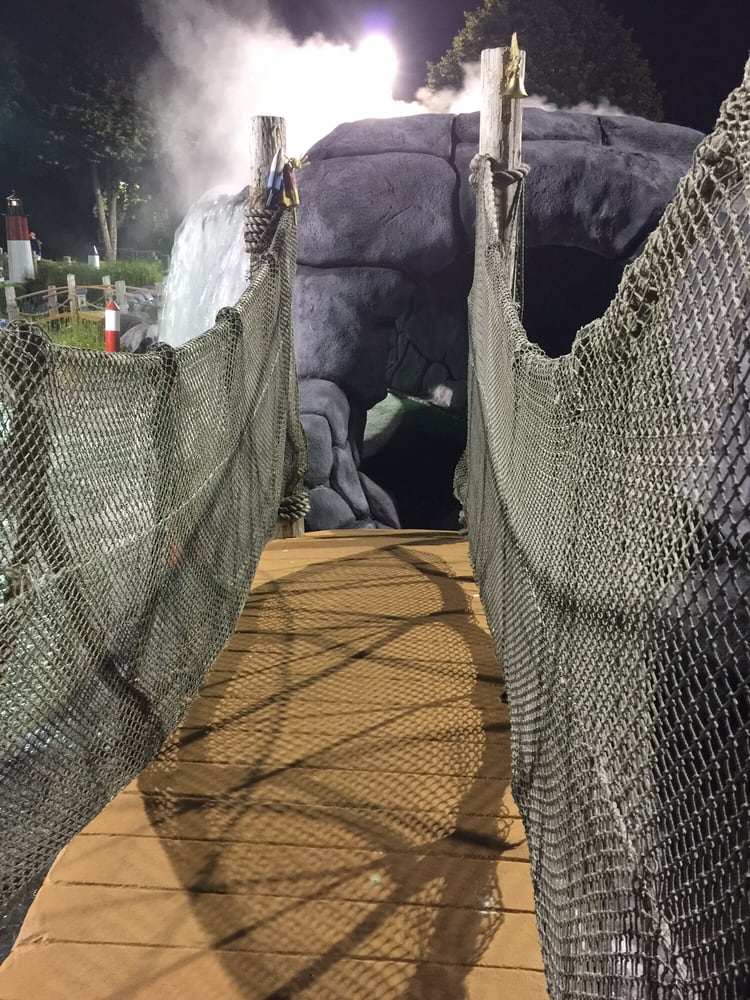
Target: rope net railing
(136, 496)
(606, 494)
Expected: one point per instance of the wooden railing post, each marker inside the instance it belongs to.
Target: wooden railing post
(267, 137)
(121, 296)
(10, 303)
(73, 297)
(108, 290)
(267, 134)
(52, 303)
(500, 130)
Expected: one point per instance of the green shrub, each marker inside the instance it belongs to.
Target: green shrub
(54, 272)
(141, 273)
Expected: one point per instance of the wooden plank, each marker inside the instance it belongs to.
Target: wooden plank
(499, 837)
(327, 787)
(333, 818)
(275, 869)
(442, 755)
(144, 973)
(268, 924)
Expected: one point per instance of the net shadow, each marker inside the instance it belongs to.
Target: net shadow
(341, 780)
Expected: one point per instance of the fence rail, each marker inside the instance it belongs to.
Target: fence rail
(73, 299)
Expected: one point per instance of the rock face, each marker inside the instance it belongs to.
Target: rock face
(384, 254)
(340, 496)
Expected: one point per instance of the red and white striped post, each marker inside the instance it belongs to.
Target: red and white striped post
(112, 327)
(20, 259)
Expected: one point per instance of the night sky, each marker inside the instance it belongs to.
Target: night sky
(696, 48)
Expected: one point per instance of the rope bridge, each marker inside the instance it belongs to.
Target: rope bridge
(606, 495)
(607, 501)
(136, 496)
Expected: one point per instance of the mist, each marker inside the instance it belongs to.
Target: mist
(216, 72)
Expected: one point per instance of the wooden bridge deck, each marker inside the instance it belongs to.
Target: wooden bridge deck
(333, 819)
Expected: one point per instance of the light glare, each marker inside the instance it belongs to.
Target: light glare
(379, 56)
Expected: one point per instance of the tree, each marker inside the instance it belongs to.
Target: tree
(102, 128)
(11, 83)
(575, 51)
(82, 98)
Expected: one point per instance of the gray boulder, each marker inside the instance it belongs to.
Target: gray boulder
(319, 449)
(538, 124)
(136, 338)
(598, 198)
(430, 134)
(343, 322)
(317, 396)
(386, 231)
(382, 506)
(328, 511)
(338, 496)
(379, 210)
(638, 135)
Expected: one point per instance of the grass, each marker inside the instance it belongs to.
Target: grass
(83, 333)
(137, 273)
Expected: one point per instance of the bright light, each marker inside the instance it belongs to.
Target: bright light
(379, 56)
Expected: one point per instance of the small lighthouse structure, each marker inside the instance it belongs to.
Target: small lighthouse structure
(20, 260)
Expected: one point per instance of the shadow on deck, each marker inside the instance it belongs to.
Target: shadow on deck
(333, 818)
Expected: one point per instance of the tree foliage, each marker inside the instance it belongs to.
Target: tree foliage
(80, 109)
(11, 84)
(576, 51)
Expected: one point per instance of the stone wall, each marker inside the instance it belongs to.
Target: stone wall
(385, 245)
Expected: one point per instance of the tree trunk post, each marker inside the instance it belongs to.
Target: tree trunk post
(100, 207)
(500, 130)
(10, 304)
(72, 297)
(112, 223)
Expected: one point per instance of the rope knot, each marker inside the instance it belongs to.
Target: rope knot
(295, 507)
(500, 177)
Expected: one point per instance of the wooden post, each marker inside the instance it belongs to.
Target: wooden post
(52, 304)
(291, 529)
(500, 129)
(267, 136)
(10, 304)
(121, 296)
(108, 291)
(72, 297)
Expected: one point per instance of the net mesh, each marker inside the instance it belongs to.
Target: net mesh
(606, 495)
(136, 495)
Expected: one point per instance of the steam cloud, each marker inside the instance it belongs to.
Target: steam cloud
(217, 72)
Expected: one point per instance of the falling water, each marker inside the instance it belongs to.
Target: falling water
(208, 268)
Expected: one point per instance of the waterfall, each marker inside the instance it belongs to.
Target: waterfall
(208, 269)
